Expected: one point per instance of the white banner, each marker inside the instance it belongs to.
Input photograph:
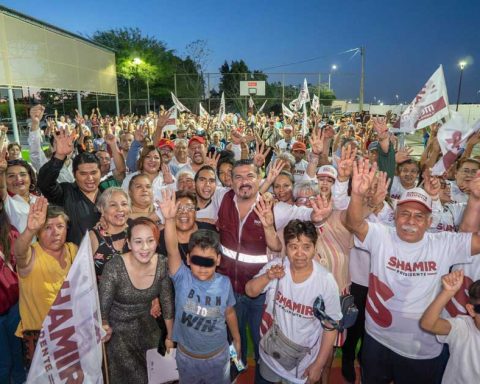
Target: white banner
(428, 107)
(161, 369)
(304, 130)
(263, 106)
(286, 112)
(69, 349)
(178, 104)
(304, 96)
(251, 104)
(203, 112)
(172, 120)
(221, 111)
(295, 105)
(316, 104)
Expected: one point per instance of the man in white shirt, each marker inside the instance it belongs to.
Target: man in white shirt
(406, 267)
(285, 145)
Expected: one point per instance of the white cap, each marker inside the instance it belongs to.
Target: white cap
(416, 195)
(327, 170)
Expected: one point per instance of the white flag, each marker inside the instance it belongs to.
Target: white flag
(263, 106)
(428, 107)
(304, 96)
(286, 112)
(69, 348)
(172, 120)
(221, 111)
(178, 104)
(316, 104)
(452, 138)
(295, 105)
(304, 130)
(251, 104)
(203, 112)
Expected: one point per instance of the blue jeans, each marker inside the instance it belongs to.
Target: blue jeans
(215, 370)
(11, 356)
(249, 311)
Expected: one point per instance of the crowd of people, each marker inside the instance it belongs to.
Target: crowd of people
(208, 229)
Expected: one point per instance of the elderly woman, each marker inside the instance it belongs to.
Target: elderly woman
(42, 268)
(186, 223)
(141, 198)
(129, 284)
(186, 181)
(109, 238)
(17, 184)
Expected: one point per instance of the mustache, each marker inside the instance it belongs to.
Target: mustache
(409, 228)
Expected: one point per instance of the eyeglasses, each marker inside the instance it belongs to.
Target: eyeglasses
(186, 208)
(304, 200)
(467, 171)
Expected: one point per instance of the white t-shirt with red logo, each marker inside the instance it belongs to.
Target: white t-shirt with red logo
(404, 280)
(294, 313)
(456, 306)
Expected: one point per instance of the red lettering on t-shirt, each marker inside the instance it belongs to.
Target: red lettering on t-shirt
(460, 298)
(378, 312)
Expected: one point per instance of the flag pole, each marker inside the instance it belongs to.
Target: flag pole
(105, 363)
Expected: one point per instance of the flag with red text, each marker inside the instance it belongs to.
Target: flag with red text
(69, 348)
(429, 106)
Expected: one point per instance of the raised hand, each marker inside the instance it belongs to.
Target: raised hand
(3, 159)
(431, 184)
(380, 126)
(345, 163)
(381, 191)
(263, 209)
(316, 141)
(163, 117)
(36, 114)
(168, 206)
(37, 216)
(363, 176)
(110, 138)
(453, 281)
(403, 154)
(167, 175)
(212, 159)
(139, 134)
(322, 208)
(261, 152)
(275, 170)
(64, 142)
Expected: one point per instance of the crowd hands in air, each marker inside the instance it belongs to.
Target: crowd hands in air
(211, 225)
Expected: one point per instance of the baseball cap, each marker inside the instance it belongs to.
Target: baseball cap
(288, 127)
(299, 146)
(416, 195)
(197, 139)
(166, 143)
(327, 170)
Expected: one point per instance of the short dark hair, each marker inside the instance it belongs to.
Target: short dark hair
(55, 211)
(296, 228)
(84, 158)
(205, 238)
(30, 171)
(474, 293)
(186, 195)
(242, 162)
(135, 177)
(203, 168)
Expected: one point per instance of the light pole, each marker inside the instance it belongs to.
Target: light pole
(462, 65)
(396, 98)
(334, 68)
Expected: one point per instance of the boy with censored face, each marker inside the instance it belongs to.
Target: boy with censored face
(204, 302)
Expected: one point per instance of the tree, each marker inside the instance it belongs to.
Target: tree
(158, 64)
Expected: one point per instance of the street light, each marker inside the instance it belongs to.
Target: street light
(462, 65)
(396, 98)
(334, 68)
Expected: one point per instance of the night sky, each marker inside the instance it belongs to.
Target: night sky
(405, 40)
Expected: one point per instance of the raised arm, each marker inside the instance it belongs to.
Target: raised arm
(118, 160)
(37, 157)
(264, 211)
(255, 287)
(168, 207)
(316, 144)
(36, 220)
(362, 178)
(48, 174)
(431, 320)
(3, 171)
